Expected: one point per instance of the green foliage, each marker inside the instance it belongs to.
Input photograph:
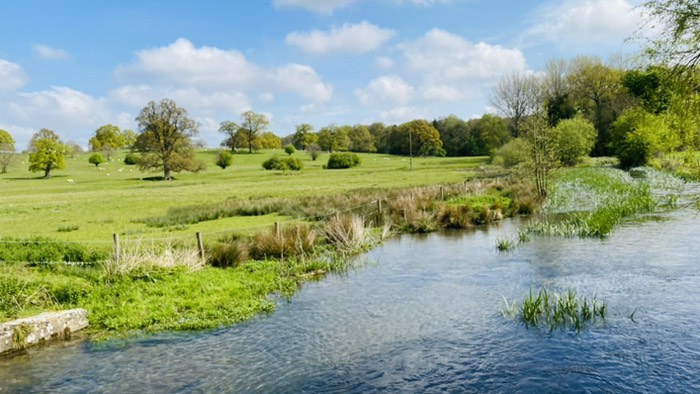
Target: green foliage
(342, 160)
(574, 138)
(47, 152)
(678, 42)
(361, 140)
(417, 137)
(96, 159)
(652, 87)
(131, 159)
(636, 137)
(45, 250)
(304, 136)
(108, 137)
(267, 140)
(6, 140)
(229, 252)
(491, 132)
(252, 126)
(514, 152)
(165, 141)
(224, 159)
(557, 310)
(333, 138)
(230, 129)
(289, 149)
(283, 164)
(7, 150)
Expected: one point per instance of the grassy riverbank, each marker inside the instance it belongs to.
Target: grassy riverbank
(56, 243)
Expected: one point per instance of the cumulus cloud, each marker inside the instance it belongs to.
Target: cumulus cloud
(585, 22)
(184, 64)
(385, 88)
(303, 80)
(320, 6)
(444, 58)
(349, 38)
(46, 52)
(402, 114)
(12, 76)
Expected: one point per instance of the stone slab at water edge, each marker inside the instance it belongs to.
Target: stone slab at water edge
(21, 333)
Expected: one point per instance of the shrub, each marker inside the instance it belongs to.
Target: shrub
(283, 164)
(289, 149)
(96, 159)
(342, 160)
(229, 252)
(574, 139)
(313, 150)
(224, 159)
(290, 241)
(131, 159)
(512, 153)
(636, 137)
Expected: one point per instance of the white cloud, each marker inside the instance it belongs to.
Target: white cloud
(349, 38)
(12, 76)
(46, 52)
(385, 88)
(302, 80)
(442, 93)
(445, 58)
(399, 115)
(585, 22)
(320, 6)
(184, 64)
(384, 62)
(137, 96)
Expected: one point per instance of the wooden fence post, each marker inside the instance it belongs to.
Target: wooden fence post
(442, 193)
(200, 246)
(277, 229)
(117, 250)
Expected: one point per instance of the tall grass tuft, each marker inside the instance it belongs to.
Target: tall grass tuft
(140, 257)
(557, 310)
(348, 233)
(288, 241)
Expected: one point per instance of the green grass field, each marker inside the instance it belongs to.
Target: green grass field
(114, 197)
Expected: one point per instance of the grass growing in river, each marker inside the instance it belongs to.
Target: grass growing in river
(557, 310)
(596, 200)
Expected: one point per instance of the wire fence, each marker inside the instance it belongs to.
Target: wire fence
(118, 241)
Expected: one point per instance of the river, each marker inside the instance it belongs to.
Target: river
(422, 315)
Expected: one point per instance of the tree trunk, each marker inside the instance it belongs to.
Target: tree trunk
(47, 172)
(166, 173)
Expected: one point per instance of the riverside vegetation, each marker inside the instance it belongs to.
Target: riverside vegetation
(159, 281)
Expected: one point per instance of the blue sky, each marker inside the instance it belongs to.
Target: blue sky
(74, 65)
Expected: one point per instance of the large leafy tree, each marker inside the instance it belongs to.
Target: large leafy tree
(333, 138)
(253, 125)
(418, 138)
(165, 139)
(229, 129)
(107, 137)
(47, 152)
(7, 150)
(304, 136)
(361, 140)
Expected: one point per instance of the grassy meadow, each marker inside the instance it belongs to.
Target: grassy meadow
(84, 203)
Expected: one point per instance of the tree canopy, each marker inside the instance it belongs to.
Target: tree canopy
(165, 139)
(107, 137)
(253, 125)
(7, 150)
(46, 152)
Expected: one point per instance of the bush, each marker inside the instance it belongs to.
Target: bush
(131, 159)
(96, 159)
(229, 252)
(313, 150)
(574, 139)
(512, 153)
(283, 164)
(636, 137)
(342, 160)
(289, 149)
(224, 159)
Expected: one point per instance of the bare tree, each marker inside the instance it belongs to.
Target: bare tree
(516, 96)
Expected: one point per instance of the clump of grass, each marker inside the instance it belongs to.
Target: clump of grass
(45, 250)
(228, 252)
(505, 244)
(68, 229)
(140, 257)
(596, 200)
(348, 234)
(557, 310)
(287, 241)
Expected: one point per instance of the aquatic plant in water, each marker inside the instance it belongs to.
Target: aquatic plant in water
(556, 310)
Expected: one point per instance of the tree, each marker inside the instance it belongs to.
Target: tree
(361, 140)
(224, 159)
(267, 140)
(129, 137)
(304, 136)
(543, 154)
(107, 137)
(165, 139)
(229, 129)
(677, 41)
(636, 137)
(333, 138)
(74, 148)
(46, 152)
(253, 125)
(7, 150)
(96, 159)
(516, 96)
(598, 92)
(490, 132)
(313, 150)
(417, 138)
(557, 92)
(456, 135)
(290, 149)
(574, 139)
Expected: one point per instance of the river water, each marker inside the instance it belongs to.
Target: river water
(422, 315)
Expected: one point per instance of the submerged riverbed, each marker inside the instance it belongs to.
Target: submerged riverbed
(422, 315)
